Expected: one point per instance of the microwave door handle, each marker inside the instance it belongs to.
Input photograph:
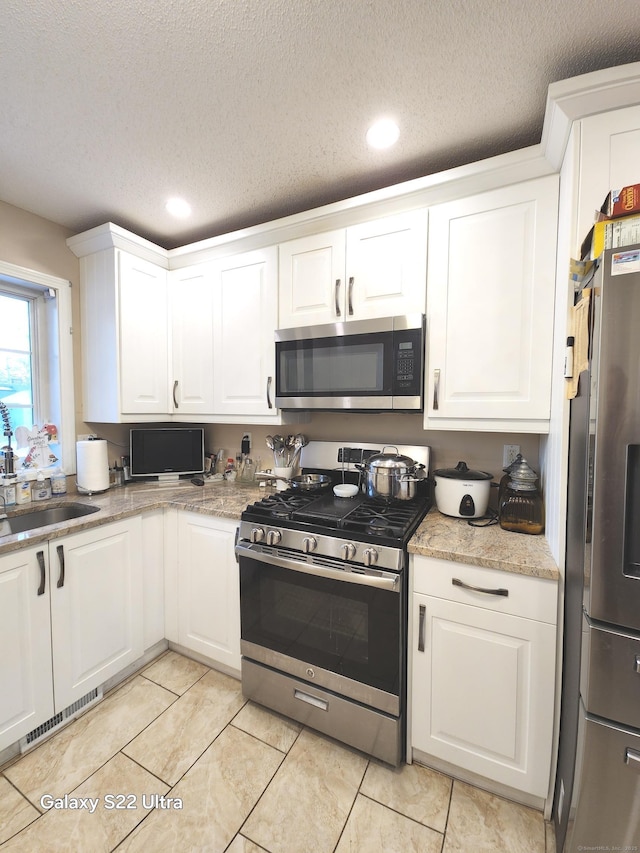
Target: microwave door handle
(337, 298)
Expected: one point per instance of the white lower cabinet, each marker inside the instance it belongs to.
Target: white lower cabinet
(26, 681)
(96, 612)
(70, 618)
(483, 672)
(208, 588)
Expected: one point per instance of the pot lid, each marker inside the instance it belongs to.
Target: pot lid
(462, 472)
(390, 461)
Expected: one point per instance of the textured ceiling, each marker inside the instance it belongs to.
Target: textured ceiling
(255, 109)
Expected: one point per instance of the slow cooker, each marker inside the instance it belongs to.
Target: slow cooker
(462, 492)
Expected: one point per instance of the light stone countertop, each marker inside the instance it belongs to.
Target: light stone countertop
(438, 535)
(492, 547)
(216, 497)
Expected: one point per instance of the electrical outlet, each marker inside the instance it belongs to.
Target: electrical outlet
(246, 436)
(509, 453)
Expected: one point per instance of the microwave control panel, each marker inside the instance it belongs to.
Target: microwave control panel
(407, 373)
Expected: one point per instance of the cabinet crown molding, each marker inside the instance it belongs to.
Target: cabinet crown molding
(109, 236)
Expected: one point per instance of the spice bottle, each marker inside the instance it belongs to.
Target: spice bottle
(521, 509)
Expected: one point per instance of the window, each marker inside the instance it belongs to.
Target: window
(17, 356)
(36, 369)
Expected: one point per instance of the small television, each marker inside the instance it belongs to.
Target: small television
(166, 453)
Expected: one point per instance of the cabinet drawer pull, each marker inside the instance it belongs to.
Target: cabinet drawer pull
(337, 297)
(269, 381)
(43, 573)
(175, 388)
(436, 389)
(421, 621)
(350, 296)
(60, 552)
(499, 591)
(632, 756)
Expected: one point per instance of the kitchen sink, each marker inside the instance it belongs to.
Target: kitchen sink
(43, 517)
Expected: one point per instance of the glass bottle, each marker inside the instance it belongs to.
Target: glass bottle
(521, 509)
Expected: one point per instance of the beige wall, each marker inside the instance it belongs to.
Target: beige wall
(35, 243)
(30, 241)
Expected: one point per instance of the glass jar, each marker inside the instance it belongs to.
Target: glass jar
(58, 483)
(521, 509)
(507, 476)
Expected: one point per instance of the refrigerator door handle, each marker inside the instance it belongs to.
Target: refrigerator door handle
(632, 756)
(637, 666)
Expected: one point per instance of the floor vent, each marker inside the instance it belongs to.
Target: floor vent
(36, 735)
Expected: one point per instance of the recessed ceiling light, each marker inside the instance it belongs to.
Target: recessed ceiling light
(383, 133)
(178, 207)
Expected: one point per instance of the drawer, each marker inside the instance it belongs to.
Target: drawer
(504, 592)
(613, 675)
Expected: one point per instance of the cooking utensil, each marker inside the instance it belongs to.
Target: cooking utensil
(391, 476)
(462, 492)
(305, 482)
(299, 442)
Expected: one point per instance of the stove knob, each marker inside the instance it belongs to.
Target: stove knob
(257, 534)
(348, 550)
(273, 537)
(370, 556)
(309, 544)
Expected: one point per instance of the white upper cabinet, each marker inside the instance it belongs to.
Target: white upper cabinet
(609, 149)
(191, 300)
(490, 305)
(144, 351)
(245, 315)
(375, 269)
(125, 352)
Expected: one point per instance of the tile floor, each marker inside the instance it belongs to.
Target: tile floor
(174, 759)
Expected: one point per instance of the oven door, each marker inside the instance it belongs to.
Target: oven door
(333, 625)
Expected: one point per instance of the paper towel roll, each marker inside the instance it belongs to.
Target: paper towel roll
(92, 466)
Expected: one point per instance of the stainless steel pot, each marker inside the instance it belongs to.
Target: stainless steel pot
(305, 482)
(391, 476)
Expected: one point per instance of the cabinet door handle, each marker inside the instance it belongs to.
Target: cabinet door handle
(337, 297)
(269, 381)
(350, 296)
(43, 572)
(421, 621)
(175, 388)
(499, 591)
(60, 552)
(436, 389)
(632, 756)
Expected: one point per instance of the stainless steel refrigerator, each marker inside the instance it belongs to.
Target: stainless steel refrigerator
(597, 794)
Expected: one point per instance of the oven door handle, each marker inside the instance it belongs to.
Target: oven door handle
(387, 582)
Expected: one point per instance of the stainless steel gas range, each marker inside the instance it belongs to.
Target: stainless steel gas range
(323, 599)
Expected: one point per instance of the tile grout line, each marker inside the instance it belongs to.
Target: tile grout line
(266, 787)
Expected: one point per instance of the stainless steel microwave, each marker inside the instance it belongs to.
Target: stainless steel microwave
(360, 365)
